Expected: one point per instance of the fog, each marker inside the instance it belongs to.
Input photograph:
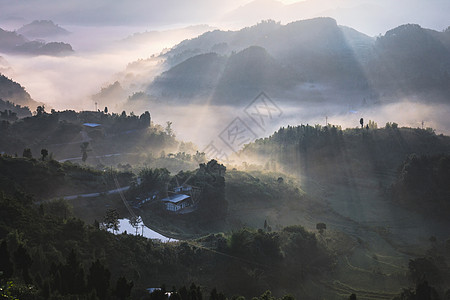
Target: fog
(101, 55)
(103, 35)
(207, 126)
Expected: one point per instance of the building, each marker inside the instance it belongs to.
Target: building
(177, 201)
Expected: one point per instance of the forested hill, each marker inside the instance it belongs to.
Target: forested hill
(65, 133)
(333, 154)
(13, 43)
(13, 92)
(407, 60)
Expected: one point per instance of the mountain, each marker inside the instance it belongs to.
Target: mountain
(13, 92)
(409, 59)
(11, 42)
(196, 76)
(225, 79)
(41, 29)
(338, 63)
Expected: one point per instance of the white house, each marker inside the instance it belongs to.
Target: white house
(177, 201)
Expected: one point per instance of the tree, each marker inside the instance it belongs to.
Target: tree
(106, 110)
(145, 119)
(98, 279)
(27, 153)
(6, 266)
(70, 276)
(23, 262)
(169, 129)
(84, 150)
(40, 110)
(361, 121)
(111, 220)
(44, 154)
(123, 288)
(135, 221)
(321, 227)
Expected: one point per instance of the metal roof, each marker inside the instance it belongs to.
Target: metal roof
(91, 125)
(175, 198)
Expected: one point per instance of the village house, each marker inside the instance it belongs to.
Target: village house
(177, 201)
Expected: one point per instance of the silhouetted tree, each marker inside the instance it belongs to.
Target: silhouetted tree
(84, 150)
(214, 295)
(361, 121)
(44, 154)
(23, 262)
(6, 266)
(321, 227)
(111, 219)
(40, 110)
(70, 276)
(106, 110)
(123, 288)
(98, 279)
(27, 153)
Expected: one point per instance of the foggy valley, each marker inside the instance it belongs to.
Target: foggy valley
(225, 150)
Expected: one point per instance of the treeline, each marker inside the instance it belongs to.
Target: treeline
(330, 153)
(12, 112)
(63, 132)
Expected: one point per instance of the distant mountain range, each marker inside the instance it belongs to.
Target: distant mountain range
(14, 43)
(42, 29)
(292, 61)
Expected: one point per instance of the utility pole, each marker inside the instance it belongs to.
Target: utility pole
(326, 120)
(422, 124)
(95, 106)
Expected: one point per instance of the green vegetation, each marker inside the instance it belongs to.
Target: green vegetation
(423, 184)
(45, 179)
(82, 260)
(241, 236)
(331, 154)
(63, 133)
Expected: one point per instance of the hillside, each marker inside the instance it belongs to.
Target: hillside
(13, 92)
(372, 259)
(331, 153)
(106, 138)
(225, 79)
(11, 112)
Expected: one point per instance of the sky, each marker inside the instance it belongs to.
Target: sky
(369, 16)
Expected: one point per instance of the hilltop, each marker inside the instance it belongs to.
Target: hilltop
(13, 43)
(41, 29)
(407, 60)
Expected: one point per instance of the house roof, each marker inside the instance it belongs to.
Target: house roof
(175, 198)
(91, 125)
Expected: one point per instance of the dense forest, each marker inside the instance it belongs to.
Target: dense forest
(80, 259)
(219, 256)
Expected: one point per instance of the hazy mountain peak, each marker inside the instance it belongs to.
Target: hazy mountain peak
(42, 29)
